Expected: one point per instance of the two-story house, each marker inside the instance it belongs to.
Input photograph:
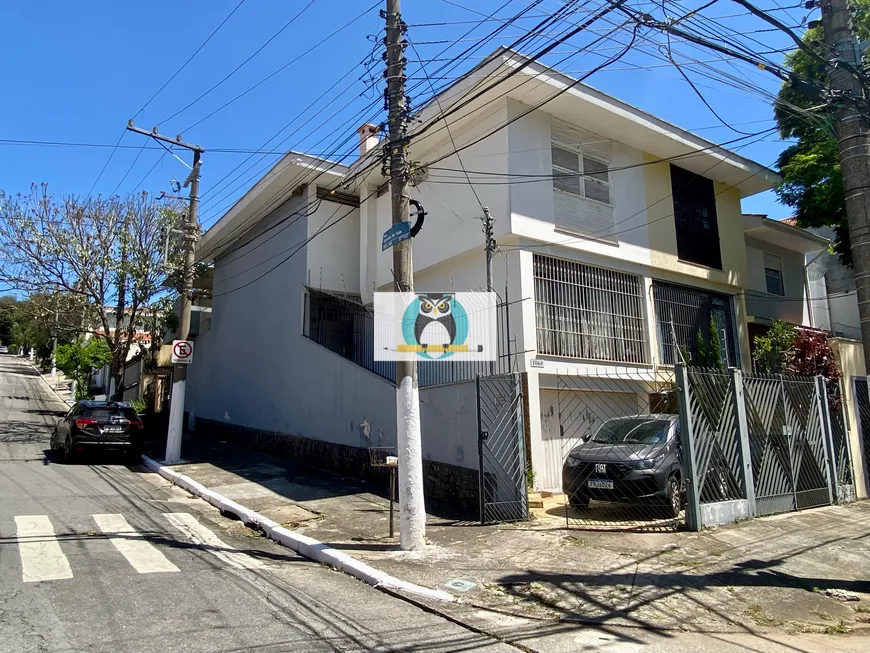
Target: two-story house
(620, 235)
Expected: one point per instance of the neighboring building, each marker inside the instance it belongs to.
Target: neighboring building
(777, 288)
(607, 273)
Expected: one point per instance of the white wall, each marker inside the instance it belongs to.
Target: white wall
(453, 224)
(255, 368)
(334, 255)
(532, 212)
(448, 415)
(759, 303)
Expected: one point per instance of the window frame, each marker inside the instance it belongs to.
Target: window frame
(778, 270)
(581, 175)
(692, 193)
(578, 316)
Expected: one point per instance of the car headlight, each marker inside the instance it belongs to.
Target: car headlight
(648, 463)
(571, 462)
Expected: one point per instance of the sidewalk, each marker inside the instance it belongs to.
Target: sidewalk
(769, 574)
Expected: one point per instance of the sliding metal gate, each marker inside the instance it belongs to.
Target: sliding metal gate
(862, 410)
(501, 447)
(787, 443)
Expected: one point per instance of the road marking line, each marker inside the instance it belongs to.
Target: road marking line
(41, 556)
(140, 553)
(204, 538)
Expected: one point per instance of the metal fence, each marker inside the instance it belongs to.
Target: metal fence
(790, 463)
(715, 434)
(501, 449)
(618, 443)
(759, 444)
(862, 411)
(344, 325)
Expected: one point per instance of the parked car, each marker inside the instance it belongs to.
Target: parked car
(4, 349)
(628, 460)
(98, 426)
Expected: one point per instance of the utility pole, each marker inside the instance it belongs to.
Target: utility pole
(490, 246)
(190, 234)
(490, 252)
(54, 341)
(412, 507)
(853, 141)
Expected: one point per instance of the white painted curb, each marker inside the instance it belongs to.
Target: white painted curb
(47, 384)
(302, 544)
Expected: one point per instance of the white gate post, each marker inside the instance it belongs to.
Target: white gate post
(747, 476)
(828, 439)
(687, 438)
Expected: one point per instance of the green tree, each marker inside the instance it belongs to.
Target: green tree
(106, 253)
(812, 183)
(699, 356)
(80, 360)
(714, 357)
(773, 350)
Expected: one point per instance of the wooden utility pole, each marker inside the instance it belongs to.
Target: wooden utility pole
(412, 507)
(853, 140)
(190, 234)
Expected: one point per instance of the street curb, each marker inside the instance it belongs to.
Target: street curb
(47, 384)
(302, 544)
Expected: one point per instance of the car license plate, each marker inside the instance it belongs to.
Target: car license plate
(599, 484)
(113, 429)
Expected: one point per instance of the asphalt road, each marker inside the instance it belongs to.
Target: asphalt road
(101, 557)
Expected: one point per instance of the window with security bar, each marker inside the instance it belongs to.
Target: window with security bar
(587, 312)
(684, 318)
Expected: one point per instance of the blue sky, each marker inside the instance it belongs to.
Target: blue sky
(75, 72)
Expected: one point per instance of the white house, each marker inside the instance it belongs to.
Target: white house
(621, 236)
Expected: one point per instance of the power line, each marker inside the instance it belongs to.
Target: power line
(190, 58)
(284, 67)
(239, 67)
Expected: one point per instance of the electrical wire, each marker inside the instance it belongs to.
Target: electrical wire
(190, 58)
(241, 65)
(282, 68)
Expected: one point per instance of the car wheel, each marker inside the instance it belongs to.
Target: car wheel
(578, 501)
(674, 498)
(68, 455)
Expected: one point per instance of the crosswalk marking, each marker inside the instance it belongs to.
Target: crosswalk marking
(41, 556)
(141, 554)
(203, 537)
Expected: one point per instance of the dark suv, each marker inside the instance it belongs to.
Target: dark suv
(627, 459)
(98, 425)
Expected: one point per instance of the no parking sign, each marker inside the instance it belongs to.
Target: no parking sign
(182, 351)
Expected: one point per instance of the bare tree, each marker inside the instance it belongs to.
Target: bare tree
(104, 254)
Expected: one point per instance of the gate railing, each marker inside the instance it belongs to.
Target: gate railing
(759, 444)
(501, 449)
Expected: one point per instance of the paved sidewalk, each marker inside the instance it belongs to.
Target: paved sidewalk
(769, 574)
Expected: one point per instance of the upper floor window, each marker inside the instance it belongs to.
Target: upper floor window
(583, 198)
(588, 312)
(773, 274)
(695, 218)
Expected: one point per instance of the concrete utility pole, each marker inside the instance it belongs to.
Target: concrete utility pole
(54, 341)
(412, 507)
(490, 246)
(853, 138)
(190, 233)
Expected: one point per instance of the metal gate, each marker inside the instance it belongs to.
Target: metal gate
(501, 447)
(862, 410)
(787, 443)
